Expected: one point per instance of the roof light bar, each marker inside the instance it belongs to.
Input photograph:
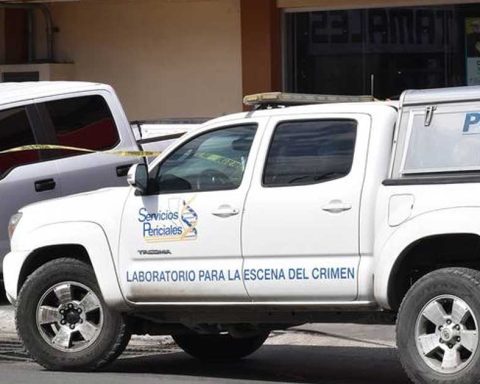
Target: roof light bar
(273, 99)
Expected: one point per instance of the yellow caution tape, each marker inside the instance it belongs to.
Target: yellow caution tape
(202, 155)
(38, 147)
(220, 160)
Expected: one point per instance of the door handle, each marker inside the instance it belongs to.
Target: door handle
(122, 170)
(45, 185)
(225, 211)
(337, 206)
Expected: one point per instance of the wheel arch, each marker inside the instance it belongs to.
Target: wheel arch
(48, 253)
(428, 254)
(431, 239)
(85, 241)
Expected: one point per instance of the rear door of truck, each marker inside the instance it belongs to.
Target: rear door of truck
(92, 121)
(300, 231)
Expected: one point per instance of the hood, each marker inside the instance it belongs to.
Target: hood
(70, 199)
(103, 207)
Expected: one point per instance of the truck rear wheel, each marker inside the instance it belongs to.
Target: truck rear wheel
(219, 347)
(63, 321)
(438, 328)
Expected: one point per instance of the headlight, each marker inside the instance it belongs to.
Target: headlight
(12, 224)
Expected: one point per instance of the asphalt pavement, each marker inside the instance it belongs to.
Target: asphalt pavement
(313, 353)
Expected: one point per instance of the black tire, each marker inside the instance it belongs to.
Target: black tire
(461, 283)
(219, 347)
(113, 335)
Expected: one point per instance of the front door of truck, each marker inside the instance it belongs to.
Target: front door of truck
(182, 243)
(301, 224)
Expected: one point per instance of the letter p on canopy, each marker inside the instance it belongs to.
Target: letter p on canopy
(470, 120)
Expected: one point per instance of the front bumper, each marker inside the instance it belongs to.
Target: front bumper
(12, 266)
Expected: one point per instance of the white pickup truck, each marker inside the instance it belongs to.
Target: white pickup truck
(346, 212)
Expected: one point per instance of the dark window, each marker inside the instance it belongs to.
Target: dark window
(83, 122)
(15, 131)
(342, 51)
(309, 152)
(209, 162)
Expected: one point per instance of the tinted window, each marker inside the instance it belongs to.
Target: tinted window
(307, 152)
(403, 47)
(450, 143)
(84, 122)
(15, 131)
(212, 161)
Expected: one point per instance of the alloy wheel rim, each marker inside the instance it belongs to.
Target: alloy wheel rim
(69, 316)
(446, 334)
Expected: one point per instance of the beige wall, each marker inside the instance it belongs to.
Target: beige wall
(165, 58)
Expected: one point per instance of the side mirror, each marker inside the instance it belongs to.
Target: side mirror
(138, 178)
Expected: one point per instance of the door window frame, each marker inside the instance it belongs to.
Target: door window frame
(49, 127)
(43, 130)
(361, 118)
(40, 135)
(156, 165)
(270, 143)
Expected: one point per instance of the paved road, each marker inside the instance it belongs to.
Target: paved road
(316, 353)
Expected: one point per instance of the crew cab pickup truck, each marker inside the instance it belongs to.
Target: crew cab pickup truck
(346, 212)
(73, 114)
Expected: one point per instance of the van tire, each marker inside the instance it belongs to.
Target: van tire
(112, 335)
(433, 297)
(222, 347)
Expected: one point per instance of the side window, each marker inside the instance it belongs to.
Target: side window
(15, 131)
(83, 122)
(451, 143)
(210, 162)
(309, 152)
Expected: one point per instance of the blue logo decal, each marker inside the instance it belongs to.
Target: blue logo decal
(177, 223)
(472, 122)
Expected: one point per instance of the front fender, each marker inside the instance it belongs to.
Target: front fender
(439, 222)
(87, 234)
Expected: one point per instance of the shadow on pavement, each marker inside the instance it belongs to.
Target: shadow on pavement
(282, 363)
(3, 296)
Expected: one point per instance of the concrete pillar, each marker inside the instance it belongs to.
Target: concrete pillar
(261, 46)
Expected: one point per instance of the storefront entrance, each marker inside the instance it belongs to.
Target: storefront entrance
(387, 49)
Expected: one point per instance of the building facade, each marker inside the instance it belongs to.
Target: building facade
(197, 58)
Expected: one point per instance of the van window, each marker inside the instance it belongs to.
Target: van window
(83, 122)
(310, 152)
(15, 131)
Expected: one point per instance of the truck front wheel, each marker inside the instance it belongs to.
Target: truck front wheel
(219, 347)
(438, 328)
(64, 322)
